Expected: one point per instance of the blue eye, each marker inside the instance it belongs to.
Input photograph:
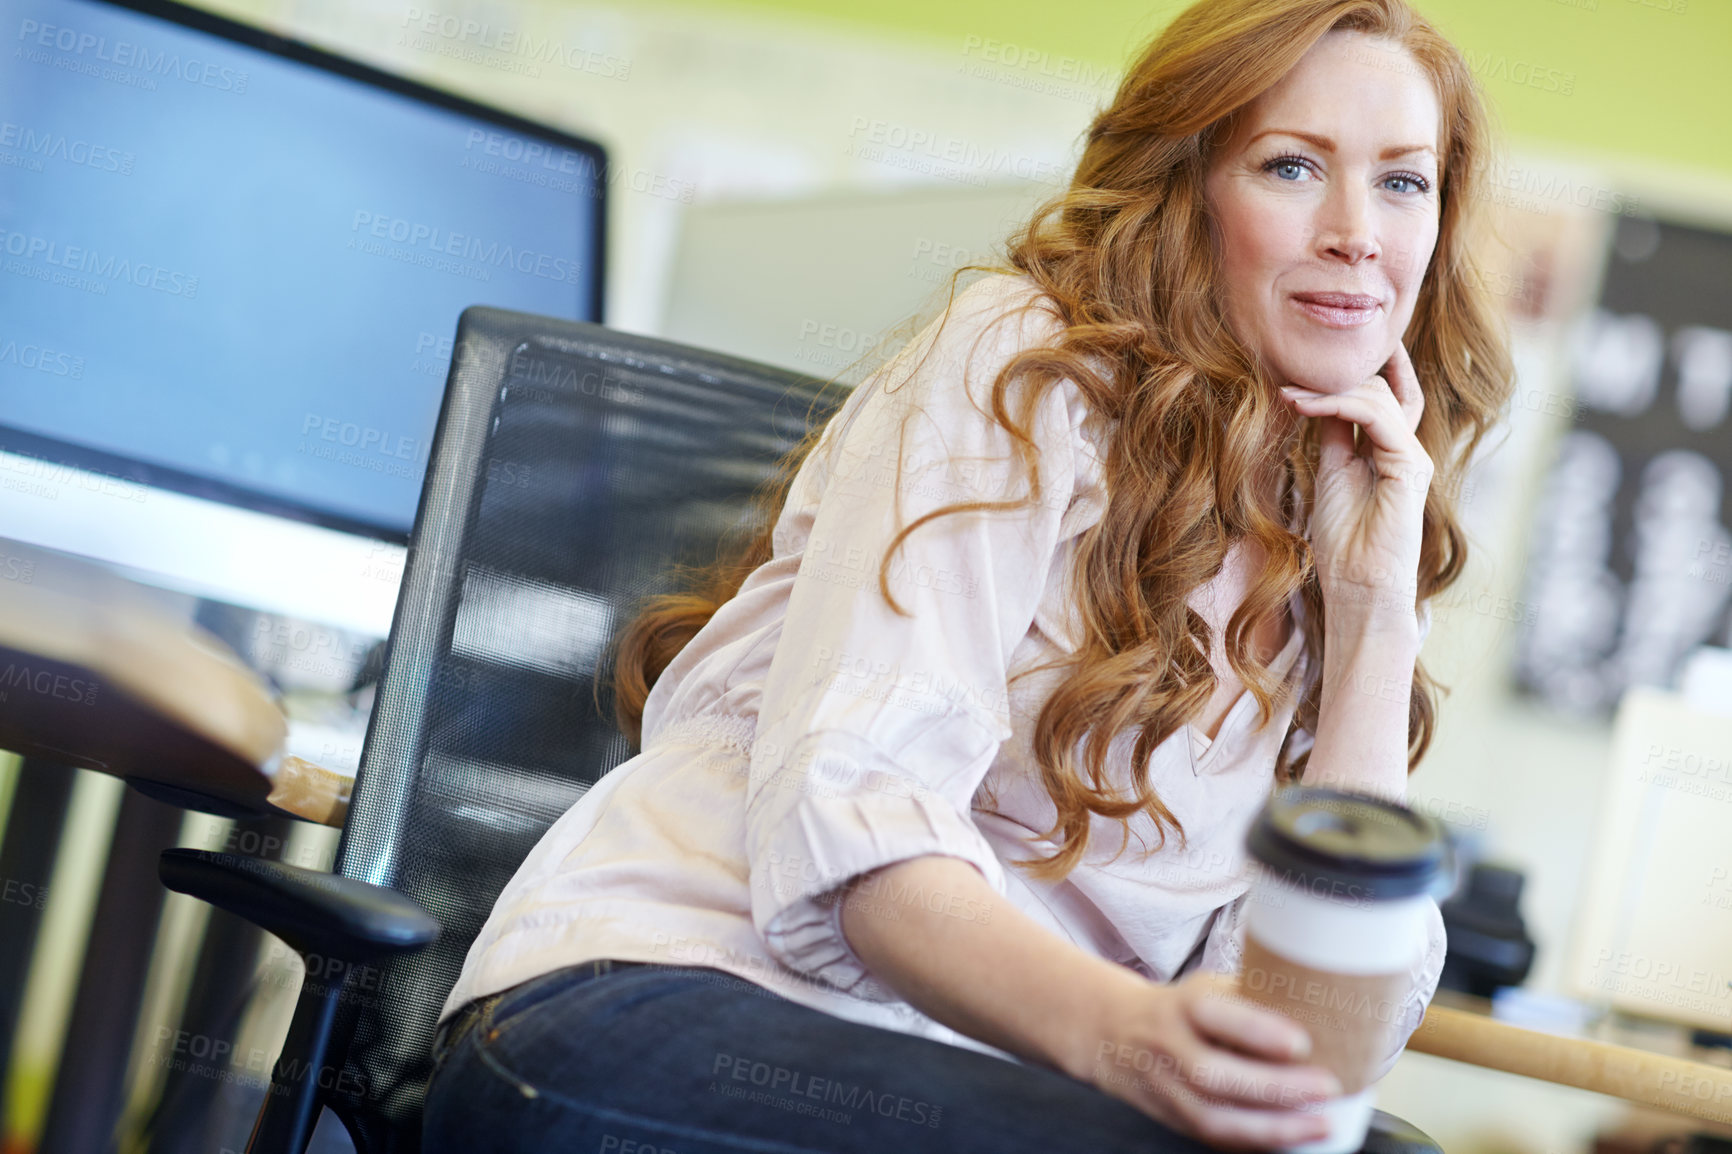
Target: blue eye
(1415, 182)
(1288, 167)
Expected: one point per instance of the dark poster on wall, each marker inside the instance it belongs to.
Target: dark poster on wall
(1630, 561)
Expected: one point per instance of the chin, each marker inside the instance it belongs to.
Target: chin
(1334, 371)
(1326, 378)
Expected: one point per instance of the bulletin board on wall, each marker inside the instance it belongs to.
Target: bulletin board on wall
(1630, 562)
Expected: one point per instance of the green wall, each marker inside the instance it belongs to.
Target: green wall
(1646, 79)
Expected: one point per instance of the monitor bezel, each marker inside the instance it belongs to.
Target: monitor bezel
(72, 455)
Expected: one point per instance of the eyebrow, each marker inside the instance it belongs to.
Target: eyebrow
(1328, 145)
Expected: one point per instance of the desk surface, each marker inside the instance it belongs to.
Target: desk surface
(94, 674)
(1463, 1030)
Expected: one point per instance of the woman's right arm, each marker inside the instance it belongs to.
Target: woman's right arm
(1186, 1053)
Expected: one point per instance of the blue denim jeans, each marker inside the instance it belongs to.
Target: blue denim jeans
(628, 1058)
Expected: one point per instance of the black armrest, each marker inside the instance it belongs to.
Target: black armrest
(315, 913)
(320, 915)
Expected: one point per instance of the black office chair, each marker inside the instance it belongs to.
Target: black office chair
(572, 467)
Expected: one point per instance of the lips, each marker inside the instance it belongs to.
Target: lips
(1338, 310)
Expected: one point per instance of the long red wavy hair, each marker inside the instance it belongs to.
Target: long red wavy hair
(1127, 258)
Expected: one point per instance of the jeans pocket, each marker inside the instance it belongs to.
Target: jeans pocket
(446, 1043)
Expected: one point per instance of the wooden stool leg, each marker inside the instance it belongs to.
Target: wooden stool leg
(91, 1081)
(27, 849)
(223, 983)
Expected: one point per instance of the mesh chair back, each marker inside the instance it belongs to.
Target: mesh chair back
(572, 465)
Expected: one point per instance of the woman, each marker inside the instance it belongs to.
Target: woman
(964, 751)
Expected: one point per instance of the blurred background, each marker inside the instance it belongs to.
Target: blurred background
(791, 181)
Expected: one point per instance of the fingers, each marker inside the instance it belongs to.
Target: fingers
(1394, 449)
(1398, 374)
(1204, 1099)
(1233, 1033)
(1193, 1063)
(1239, 1081)
(1235, 1098)
(1221, 1016)
(1239, 1128)
(1335, 442)
(1231, 1100)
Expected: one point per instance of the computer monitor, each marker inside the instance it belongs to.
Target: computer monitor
(231, 265)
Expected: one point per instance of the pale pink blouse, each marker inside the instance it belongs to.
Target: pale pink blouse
(809, 734)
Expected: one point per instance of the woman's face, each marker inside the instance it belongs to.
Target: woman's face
(1327, 207)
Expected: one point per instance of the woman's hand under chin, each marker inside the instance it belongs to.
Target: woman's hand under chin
(1369, 510)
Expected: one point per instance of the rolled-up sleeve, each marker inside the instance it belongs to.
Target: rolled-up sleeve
(875, 728)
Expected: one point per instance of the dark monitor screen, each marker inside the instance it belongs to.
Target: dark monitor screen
(231, 264)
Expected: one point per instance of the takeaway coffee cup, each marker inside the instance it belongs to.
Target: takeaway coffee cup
(1335, 923)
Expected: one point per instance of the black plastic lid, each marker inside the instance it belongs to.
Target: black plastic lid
(1335, 843)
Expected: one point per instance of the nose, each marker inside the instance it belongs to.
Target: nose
(1344, 224)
